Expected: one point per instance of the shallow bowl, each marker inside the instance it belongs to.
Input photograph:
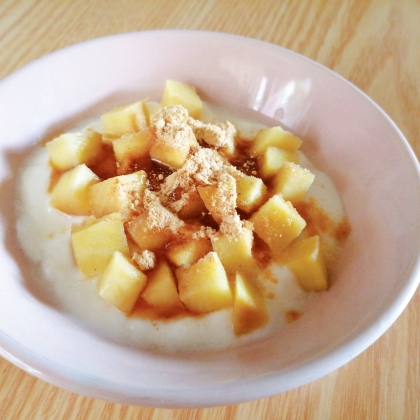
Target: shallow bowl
(346, 135)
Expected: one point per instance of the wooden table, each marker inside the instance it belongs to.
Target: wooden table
(374, 44)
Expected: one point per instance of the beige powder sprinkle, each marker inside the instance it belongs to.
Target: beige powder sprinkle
(223, 202)
(224, 205)
(157, 215)
(218, 135)
(172, 115)
(169, 125)
(145, 260)
(203, 232)
(202, 167)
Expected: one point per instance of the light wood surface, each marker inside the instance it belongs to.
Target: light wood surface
(372, 43)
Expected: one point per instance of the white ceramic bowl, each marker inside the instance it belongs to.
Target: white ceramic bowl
(347, 135)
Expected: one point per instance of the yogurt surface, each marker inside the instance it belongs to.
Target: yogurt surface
(44, 234)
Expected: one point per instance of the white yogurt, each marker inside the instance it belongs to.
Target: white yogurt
(44, 234)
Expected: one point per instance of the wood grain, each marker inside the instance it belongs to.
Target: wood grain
(372, 43)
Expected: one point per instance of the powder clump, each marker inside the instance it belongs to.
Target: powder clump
(218, 135)
(203, 166)
(145, 260)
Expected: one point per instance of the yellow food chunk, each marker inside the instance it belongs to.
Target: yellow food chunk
(188, 251)
(117, 194)
(220, 198)
(121, 283)
(218, 135)
(131, 147)
(292, 182)
(273, 159)
(305, 259)
(172, 154)
(277, 223)
(177, 93)
(151, 107)
(236, 254)
(207, 195)
(249, 310)
(193, 207)
(172, 136)
(251, 192)
(274, 136)
(71, 193)
(204, 287)
(73, 149)
(161, 291)
(146, 237)
(125, 119)
(95, 241)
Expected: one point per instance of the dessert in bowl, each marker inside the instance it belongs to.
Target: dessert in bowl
(344, 134)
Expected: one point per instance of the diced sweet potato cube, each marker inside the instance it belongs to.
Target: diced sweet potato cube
(220, 135)
(251, 192)
(207, 195)
(187, 252)
(292, 182)
(117, 194)
(71, 193)
(125, 119)
(277, 223)
(249, 310)
(274, 136)
(194, 206)
(72, 149)
(220, 198)
(155, 226)
(95, 241)
(177, 93)
(150, 238)
(130, 148)
(121, 283)
(105, 166)
(236, 253)
(172, 137)
(306, 260)
(173, 153)
(151, 107)
(161, 292)
(204, 287)
(273, 159)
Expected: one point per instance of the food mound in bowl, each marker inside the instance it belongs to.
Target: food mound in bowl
(174, 214)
